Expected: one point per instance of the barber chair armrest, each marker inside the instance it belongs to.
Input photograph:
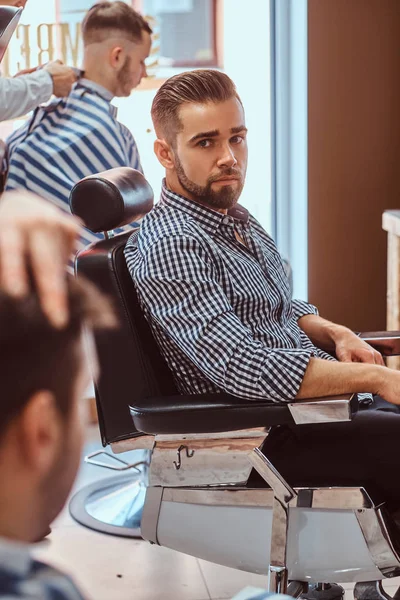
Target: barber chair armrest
(210, 413)
(386, 342)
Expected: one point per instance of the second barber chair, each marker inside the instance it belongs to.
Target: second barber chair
(199, 498)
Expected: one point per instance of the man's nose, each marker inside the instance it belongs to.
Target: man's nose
(228, 158)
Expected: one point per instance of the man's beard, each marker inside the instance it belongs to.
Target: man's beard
(226, 197)
(124, 76)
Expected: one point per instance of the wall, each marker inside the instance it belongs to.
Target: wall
(354, 154)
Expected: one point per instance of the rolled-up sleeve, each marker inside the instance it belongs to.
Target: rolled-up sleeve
(182, 295)
(19, 95)
(301, 308)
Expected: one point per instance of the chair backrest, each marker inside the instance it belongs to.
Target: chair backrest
(132, 368)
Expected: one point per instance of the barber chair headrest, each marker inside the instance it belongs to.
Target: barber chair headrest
(111, 199)
(9, 19)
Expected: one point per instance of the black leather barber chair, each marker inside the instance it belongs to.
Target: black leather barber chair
(199, 498)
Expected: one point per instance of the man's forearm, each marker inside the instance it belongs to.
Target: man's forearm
(22, 94)
(321, 332)
(328, 378)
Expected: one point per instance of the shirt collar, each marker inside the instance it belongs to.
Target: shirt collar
(97, 88)
(100, 91)
(209, 219)
(15, 558)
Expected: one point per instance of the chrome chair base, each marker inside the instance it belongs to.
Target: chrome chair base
(113, 505)
(371, 590)
(324, 591)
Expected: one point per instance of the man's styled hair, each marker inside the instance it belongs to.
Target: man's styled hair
(35, 356)
(200, 87)
(107, 18)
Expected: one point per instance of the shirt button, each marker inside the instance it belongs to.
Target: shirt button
(226, 220)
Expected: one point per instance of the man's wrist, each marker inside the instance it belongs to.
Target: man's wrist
(47, 79)
(374, 378)
(336, 333)
(48, 73)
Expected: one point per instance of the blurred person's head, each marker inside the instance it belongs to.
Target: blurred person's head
(44, 373)
(201, 137)
(117, 41)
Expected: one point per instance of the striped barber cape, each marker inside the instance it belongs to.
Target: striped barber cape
(67, 140)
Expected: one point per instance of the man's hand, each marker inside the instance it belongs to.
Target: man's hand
(350, 348)
(63, 77)
(33, 231)
(339, 340)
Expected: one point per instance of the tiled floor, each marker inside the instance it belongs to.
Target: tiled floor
(113, 568)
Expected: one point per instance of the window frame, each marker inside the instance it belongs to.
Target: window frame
(216, 61)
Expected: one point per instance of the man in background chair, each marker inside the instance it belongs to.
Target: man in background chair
(214, 291)
(80, 135)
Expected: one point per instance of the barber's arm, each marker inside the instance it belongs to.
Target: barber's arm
(346, 345)
(35, 232)
(19, 95)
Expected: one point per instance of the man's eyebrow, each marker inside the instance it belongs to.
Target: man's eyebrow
(204, 134)
(215, 133)
(239, 129)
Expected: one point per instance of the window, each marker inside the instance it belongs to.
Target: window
(289, 26)
(187, 31)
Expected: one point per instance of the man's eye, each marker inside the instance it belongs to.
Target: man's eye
(237, 139)
(204, 143)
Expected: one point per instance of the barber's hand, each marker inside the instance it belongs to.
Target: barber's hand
(16, 3)
(32, 229)
(63, 77)
(350, 348)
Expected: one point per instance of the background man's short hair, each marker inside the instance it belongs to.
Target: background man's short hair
(35, 356)
(118, 17)
(200, 86)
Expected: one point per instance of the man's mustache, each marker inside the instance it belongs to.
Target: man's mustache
(230, 172)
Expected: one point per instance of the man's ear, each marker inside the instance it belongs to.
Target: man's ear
(117, 57)
(164, 153)
(41, 431)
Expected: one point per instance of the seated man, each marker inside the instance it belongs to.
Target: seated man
(43, 375)
(40, 425)
(214, 290)
(80, 135)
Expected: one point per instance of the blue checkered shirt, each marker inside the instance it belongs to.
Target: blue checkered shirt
(27, 579)
(221, 311)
